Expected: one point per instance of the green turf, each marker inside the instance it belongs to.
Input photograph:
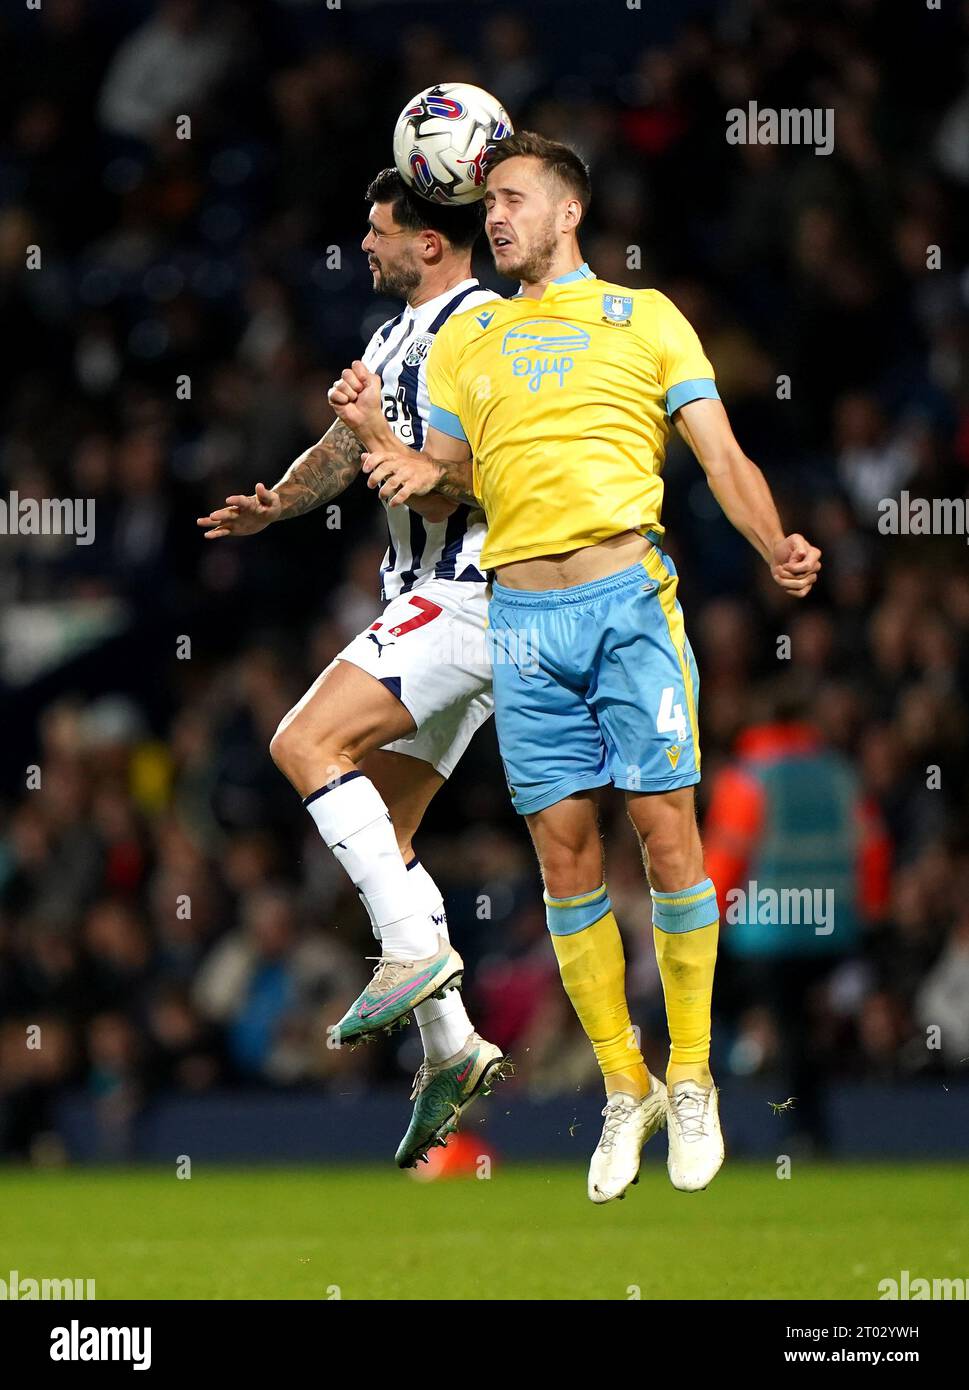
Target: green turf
(527, 1232)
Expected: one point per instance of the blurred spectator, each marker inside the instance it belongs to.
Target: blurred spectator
(167, 67)
(266, 984)
(801, 864)
(942, 996)
(872, 463)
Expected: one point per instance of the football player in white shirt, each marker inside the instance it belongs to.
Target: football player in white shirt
(381, 728)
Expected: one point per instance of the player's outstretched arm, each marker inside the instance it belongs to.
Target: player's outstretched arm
(444, 466)
(742, 492)
(322, 473)
(357, 400)
(319, 474)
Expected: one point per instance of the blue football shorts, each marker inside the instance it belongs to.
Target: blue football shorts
(594, 685)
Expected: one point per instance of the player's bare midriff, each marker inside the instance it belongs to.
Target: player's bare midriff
(576, 566)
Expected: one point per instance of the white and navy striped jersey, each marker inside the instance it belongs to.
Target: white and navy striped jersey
(420, 550)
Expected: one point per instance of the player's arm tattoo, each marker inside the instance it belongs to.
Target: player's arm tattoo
(456, 481)
(321, 473)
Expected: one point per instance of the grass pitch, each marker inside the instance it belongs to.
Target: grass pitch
(525, 1233)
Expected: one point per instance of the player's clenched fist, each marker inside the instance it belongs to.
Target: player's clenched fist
(356, 398)
(400, 475)
(795, 565)
(243, 516)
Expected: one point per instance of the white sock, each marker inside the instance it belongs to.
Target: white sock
(427, 897)
(355, 824)
(444, 1023)
(445, 1026)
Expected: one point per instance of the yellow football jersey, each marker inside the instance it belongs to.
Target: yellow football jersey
(565, 402)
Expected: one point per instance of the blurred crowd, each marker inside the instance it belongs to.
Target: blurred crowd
(169, 918)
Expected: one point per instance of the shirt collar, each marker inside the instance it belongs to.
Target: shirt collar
(440, 300)
(582, 273)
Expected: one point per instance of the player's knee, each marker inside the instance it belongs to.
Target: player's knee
(671, 840)
(675, 858)
(567, 871)
(281, 745)
(292, 746)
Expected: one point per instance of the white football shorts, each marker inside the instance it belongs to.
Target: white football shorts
(429, 648)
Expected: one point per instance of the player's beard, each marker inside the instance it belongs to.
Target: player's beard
(536, 261)
(400, 280)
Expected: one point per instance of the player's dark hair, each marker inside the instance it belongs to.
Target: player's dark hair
(557, 159)
(460, 224)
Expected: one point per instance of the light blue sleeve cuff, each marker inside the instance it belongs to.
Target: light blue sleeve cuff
(446, 422)
(704, 388)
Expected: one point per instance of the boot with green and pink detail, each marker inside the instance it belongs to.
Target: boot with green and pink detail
(443, 1091)
(398, 987)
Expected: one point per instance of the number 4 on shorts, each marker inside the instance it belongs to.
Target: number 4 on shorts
(671, 719)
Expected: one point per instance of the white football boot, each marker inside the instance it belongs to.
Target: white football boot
(695, 1140)
(629, 1123)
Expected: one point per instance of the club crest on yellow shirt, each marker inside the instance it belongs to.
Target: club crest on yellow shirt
(617, 308)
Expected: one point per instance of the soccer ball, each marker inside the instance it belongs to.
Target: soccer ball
(441, 137)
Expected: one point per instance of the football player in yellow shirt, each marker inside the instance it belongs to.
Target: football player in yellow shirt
(552, 408)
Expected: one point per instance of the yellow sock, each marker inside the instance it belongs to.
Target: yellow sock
(593, 970)
(686, 927)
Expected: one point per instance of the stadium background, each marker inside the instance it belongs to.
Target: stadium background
(212, 258)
